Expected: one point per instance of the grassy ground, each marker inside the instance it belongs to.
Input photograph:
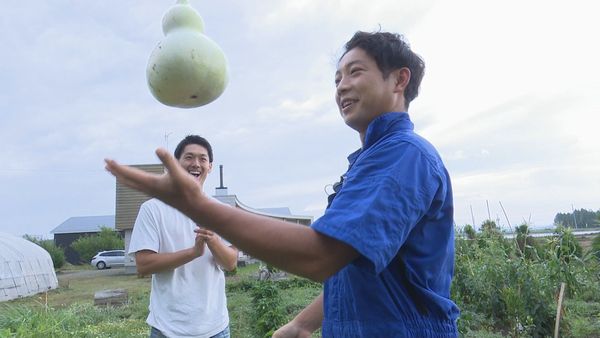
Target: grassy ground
(69, 311)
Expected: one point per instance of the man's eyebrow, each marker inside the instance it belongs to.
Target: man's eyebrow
(352, 63)
(194, 154)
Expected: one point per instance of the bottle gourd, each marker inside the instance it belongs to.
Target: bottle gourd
(186, 69)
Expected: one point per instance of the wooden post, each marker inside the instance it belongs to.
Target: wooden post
(559, 309)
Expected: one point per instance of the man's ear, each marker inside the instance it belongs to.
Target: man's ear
(401, 78)
(209, 167)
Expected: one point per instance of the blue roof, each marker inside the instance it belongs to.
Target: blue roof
(85, 224)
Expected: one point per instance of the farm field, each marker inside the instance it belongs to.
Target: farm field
(504, 288)
(69, 311)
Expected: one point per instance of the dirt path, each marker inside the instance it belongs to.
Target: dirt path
(83, 274)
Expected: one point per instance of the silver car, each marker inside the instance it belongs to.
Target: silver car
(108, 259)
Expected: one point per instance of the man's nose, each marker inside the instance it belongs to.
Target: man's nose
(342, 86)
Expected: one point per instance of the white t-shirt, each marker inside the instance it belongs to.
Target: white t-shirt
(189, 301)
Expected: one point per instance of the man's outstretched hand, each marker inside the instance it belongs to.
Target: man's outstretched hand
(175, 187)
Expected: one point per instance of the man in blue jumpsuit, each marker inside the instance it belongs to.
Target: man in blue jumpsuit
(385, 246)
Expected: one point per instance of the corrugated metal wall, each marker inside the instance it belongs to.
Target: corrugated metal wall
(129, 201)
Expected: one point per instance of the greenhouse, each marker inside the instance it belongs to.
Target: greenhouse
(25, 268)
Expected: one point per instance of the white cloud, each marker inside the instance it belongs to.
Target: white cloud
(289, 111)
(509, 98)
(277, 17)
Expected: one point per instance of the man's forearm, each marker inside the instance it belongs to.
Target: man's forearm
(149, 262)
(225, 256)
(311, 318)
(291, 247)
(305, 323)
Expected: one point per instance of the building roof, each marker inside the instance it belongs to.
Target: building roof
(85, 224)
(283, 211)
(128, 203)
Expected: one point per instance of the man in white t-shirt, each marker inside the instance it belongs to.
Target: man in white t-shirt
(187, 297)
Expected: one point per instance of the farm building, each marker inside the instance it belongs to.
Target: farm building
(128, 202)
(25, 268)
(75, 227)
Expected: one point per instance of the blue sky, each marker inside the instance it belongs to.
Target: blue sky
(510, 99)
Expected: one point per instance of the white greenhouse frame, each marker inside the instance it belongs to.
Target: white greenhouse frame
(25, 268)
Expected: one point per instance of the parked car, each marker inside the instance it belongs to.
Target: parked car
(108, 259)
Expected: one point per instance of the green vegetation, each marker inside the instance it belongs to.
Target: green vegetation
(503, 287)
(510, 286)
(596, 246)
(106, 239)
(68, 311)
(79, 320)
(258, 307)
(56, 254)
(266, 300)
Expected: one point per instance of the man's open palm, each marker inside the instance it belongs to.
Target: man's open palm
(175, 187)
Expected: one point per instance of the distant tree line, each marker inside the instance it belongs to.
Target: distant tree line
(581, 218)
(86, 247)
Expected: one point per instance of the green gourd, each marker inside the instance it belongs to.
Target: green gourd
(186, 69)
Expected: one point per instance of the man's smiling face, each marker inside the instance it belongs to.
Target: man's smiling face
(362, 92)
(194, 159)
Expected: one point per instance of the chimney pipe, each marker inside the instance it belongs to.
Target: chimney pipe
(221, 176)
(221, 190)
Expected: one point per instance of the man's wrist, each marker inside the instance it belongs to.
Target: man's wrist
(194, 252)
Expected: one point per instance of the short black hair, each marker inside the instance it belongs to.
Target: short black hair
(193, 139)
(391, 51)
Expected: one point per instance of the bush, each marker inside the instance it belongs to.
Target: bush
(57, 254)
(564, 260)
(470, 231)
(527, 246)
(596, 246)
(567, 246)
(268, 315)
(88, 246)
(492, 277)
(511, 286)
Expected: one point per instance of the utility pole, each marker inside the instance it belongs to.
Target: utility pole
(574, 218)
